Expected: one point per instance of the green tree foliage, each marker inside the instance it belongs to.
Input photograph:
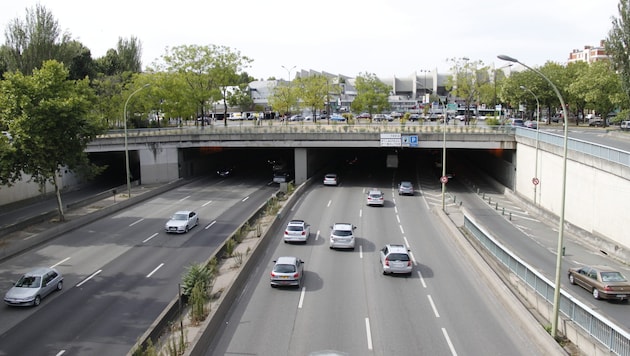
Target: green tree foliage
(313, 90)
(599, 88)
(617, 45)
(197, 275)
(49, 120)
(372, 94)
(283, 97)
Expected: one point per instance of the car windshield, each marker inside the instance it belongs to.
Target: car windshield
(405, 185)
(330, 176)
(29, 282)
(294, 228)
(398, 257)
(180, 217)
(284, 268)
(375, 196)
(342, 232)
(612, 277)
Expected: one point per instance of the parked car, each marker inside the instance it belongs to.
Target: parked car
(625, 125)
(602, 281)
(297, 231)
(405, 188)
(395, 259)
(342, 236)
(364, 115)
(337, 118)
(296, 118)
(531, 124)
(596, 122)
(375, 197)
(34, 286)
(379, 117)
(331, 179)
(516, 123)
(396, 115)
(287, 271)
(414, 117)
(181, 222)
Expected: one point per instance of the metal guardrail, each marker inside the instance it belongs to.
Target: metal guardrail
(610, 335)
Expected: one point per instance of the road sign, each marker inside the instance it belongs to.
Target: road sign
(535, 181)
(443, 179)
(391, 140)
(409, 140)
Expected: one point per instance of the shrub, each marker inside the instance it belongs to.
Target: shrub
(196, 274)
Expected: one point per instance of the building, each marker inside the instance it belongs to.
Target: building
(589, 54)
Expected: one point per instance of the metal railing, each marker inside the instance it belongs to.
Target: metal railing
(610, 335)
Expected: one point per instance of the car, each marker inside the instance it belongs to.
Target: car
(395, 258)
(596, 122)
(225, 171)
(364, 115)
(460, 117)
(342, 236)
(602, 281)
(331, 179)
(287, 271)
(337, 118)
(396, 115)
(516, 123)
(296, 118)
(625, 125)
(379, 117)
(181, 222)
(375, 197)
(34, 286)
(281, 177)
(531, 124)
(297, 231)
(405, 188)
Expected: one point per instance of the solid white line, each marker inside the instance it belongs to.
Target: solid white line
(208, 202)
(184, 198)
(244, 199)
(406, 242)
(421, 279)
(369, 333)
(135, 222)
(301, 302)
(401, 229)
(150, 237)
(210, 225)
(60, 262)
(437, 315)
(90, 277)
(448, 341)
(360, 251)
(155, 270)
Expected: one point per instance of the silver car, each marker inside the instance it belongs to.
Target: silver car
(33, 286)
(182, 221)
(297, 231)
(342, 236)
(405, 188)
(395, 259)
(287, 271)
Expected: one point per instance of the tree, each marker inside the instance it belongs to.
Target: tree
(49, 120)
(467, 82)
(283, 97)
(372, 94)
(617, 45)
(313, 90)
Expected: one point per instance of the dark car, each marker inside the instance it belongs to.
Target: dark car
(602, 281)
(225, 171)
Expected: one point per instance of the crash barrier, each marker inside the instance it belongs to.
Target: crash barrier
(610, 337)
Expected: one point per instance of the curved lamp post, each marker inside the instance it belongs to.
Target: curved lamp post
(126, 147)
(556, 294)
(535, 180)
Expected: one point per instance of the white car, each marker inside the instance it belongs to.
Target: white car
(342, 236)
(330, 179)
(181, 222)
(297, 231)
(375, 197)
(395, 259)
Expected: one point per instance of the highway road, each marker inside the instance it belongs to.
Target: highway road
(347, 305)
(120, 272)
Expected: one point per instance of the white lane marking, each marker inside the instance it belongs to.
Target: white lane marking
(329, 203)
(360, 212)
(421, 279)
(301, 302)
(437, 315)
(396, 209)
(60, 353)
(135, 222)
(90, 277)
(155, 270)
(398, 218)
(413, 258)
(60, 262)
(208, 202)
(244, 199)
(406, 242)
(369, 333)
(360, 251)
(448, 341)
(149, 238)
(401, 229)
(317, 235)
(210, 225)
(184, 198)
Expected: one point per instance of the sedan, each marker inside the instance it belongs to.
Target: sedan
(531, 124)
(337, 118)
(287, 271)
(181, 222)
(32, 287)
(330, 179)
(602, 281)
(405, 188)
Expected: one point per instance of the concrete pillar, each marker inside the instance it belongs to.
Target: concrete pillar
(301, 164)
(159, 164)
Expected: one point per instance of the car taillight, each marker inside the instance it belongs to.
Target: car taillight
(386, 261)
(273, 274)
(408, 263)
(296, 275)
(286, 232)
(303, 233)
(608, 288)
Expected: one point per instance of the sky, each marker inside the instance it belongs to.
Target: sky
(348, 37)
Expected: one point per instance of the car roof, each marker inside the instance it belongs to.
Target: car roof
(296, 222)
(396, 248)
(331, 174)
(39, 271)
(286, 260)
(183, 212)
(375, 191)
(602, 268)
(405, 182)
(342, 226)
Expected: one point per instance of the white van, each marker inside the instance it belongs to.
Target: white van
(625, 125)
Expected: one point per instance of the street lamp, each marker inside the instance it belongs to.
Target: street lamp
(126, 147)
(289, 71)
(535, 180)
(556, 294)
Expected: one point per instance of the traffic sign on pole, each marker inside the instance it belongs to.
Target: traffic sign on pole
(535, 181)
(444, 179)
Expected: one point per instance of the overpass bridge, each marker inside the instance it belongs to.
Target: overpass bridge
(597, 189)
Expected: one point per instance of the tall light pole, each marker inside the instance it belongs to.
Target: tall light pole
(289, 71)
(128, 172)
(556, 294)
(535, 180)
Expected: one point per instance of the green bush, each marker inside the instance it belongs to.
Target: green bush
(196, 274)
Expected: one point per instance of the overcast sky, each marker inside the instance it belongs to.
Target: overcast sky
(387, 38)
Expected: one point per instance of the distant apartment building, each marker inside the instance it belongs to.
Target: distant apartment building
(589, 54)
